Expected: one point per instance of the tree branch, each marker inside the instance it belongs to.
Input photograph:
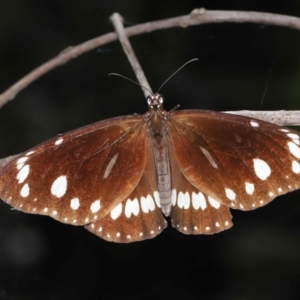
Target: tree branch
(117, 21)
(197, 17)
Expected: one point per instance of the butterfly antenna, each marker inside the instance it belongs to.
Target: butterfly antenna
(116, 74)
(176, 72)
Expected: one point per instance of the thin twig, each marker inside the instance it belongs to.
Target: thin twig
(197, 17)
(279, 117)
(117, 21)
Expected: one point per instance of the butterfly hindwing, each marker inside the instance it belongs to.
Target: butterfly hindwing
(194, 212)
(138, 216)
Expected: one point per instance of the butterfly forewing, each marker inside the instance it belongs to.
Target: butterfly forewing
(138, 216)
(240, 162)
(79, 176)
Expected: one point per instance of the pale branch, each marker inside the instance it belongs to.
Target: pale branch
(197, 17)
(117, 21)
(279, 117)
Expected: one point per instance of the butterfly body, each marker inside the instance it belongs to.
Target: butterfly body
(157, 130)
(119, 176)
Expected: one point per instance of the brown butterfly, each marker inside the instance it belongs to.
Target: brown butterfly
(120, 177)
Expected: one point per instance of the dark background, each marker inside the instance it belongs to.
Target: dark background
(241, 66)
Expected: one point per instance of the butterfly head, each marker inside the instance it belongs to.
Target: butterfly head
(155, 101)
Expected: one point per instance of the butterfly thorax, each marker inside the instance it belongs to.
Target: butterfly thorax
(157, 131)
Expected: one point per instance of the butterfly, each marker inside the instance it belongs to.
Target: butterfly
(121, 177)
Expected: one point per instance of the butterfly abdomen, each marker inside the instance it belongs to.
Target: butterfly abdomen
(162, 163)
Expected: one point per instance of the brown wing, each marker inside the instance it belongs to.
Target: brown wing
(194, 212)
(240, 162)
(138, 216)
(79, 176)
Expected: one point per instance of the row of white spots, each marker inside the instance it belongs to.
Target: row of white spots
(261, 168)
(294, 150)
(20, 162)
(23, 174)
(184, 200)
(133, 207)
(118, 234)
(207, 228)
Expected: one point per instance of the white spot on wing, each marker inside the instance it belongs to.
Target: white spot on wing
(293, 136)
(59, 141)
(173, 197)
(144, 205)
(209, 157)
(95, 206)
(110, 165)
(254, 124)
(150, 203)
(284, 130)
(74, 204)
(135, 207)
(116, 212)
(296, 141)
(23, 173)
(261, 168)
(294, 149)
(214, 203)
(128, 208)
(21, 161)
(202, 200)
(195, 201)
(25, 190)
(157, 198)
(295, 167)
(180, 200)
(29, 153)
(230, 194)
(187, 200)
(59, 186)
(249, 187)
